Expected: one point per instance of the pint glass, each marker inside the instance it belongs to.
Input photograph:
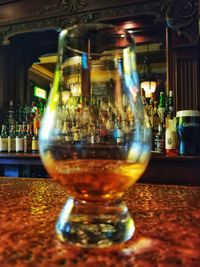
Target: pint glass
(188, 132)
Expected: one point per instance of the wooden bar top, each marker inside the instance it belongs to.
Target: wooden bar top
(167, 221)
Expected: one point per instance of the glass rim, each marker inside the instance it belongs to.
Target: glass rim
(117, 32)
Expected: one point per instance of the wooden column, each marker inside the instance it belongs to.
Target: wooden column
(183, 71)
(184, 53)
(187, 75)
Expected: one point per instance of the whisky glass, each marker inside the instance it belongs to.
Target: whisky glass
(95, 137)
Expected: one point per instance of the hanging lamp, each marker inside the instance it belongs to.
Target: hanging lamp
(147, 78)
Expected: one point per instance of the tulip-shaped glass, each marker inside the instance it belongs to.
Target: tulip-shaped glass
(95, 137)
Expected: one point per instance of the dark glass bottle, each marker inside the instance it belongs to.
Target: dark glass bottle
(11, 115)
(170, 105)
(159, 141)
(12, 139)
(34, 144)
(155, 123)
(20, 139)
(67, 133)
(3, 139)
(28, 139)
(162, 107)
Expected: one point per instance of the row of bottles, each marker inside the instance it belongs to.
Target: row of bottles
(25, 115)
(92, 121)
(19, 130)
(22, 140)
(163, 123)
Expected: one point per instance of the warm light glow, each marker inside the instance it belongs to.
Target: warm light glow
(65, 96)
(76, 89)
(149, 86)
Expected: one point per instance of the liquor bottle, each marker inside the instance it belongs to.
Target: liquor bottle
(118, 133)
(171, 143)
(41, 106)
(170, 105)
(85, 113)
(162, 108)
(110, 123)
(91, 132)
(20, 139)
(3, 139)
(32, 111)
(12, 139)
(11, 115)
(150, 110)
(19, 115)
(159, 141)
(28, 139)
(76, 134)
(26, 115)
(34, 143)
(156, 122)
(36, 121)
(66, 132)
(103, 132)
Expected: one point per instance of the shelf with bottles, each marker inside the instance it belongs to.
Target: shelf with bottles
(163, 123)
(90, 119)
(19, 130)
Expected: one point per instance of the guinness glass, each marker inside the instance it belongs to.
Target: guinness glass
(188, 131)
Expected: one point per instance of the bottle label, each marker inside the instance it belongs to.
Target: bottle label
(68, 138)
(170, 140)
(92, 139)
(120, 140)
(11, 144)
(19, 144)
(35, 146)
(159, 145)
(3, 144)
(27, 145)
(77, 136)
(161, 112)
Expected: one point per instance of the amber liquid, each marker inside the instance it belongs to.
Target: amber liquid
(93, 179)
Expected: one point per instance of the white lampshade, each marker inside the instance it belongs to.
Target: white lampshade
(149, 86)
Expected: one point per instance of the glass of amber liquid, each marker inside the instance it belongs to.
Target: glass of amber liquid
(95, 138)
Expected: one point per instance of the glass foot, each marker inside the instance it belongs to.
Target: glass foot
(94, 224)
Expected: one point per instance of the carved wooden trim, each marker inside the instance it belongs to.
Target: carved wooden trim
(68, 5)
(181, 15)
(90, 16)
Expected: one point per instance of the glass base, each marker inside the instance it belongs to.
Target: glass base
(94, 224)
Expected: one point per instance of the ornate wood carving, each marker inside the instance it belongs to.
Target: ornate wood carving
(182, 16)
(68, 5)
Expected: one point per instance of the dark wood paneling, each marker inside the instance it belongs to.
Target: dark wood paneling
(172, 170)
(187, 75)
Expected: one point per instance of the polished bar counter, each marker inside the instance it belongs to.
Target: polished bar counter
(167, 221)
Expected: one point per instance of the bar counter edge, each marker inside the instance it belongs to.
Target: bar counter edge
(162, 169)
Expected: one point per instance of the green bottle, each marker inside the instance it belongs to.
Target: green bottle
(162, 108)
